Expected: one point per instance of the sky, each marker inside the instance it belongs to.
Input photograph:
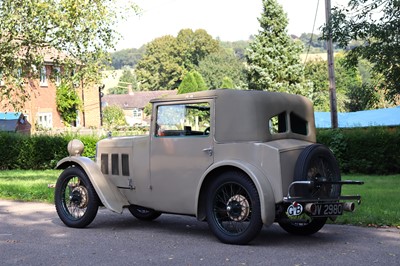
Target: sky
(228, 20)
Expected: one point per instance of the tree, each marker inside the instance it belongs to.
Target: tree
(77, 33)
(273, 58)
(168, 59)
(127, 79)
(227, 83)
(161, 66)
(201, 84)
(127, 57)
(113, 116)
(192, 82)
(223, 63)
(376, 23)
(194, 46)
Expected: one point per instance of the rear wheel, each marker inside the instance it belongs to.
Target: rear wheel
(143, 213)
(233, 208)
(315, 163)
(76, 200)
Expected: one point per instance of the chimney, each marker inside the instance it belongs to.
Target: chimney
(130, 91)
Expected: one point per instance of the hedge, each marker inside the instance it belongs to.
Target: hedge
(39, 151)
(374, 150)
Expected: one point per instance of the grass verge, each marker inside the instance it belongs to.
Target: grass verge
(380, 194)
(379, 202)
(28, 185)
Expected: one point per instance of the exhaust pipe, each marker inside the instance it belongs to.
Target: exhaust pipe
(349, 206)
(311, 208)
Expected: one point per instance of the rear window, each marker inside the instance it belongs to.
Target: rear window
(279, 124)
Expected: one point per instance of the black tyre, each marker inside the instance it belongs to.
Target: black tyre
(315, 163)
(143, 213)
(233, 208)
(76, 200)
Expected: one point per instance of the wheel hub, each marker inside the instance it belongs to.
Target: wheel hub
(79, 197)
(238, 208)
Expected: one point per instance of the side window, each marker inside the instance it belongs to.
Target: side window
(191, 119)
(298, 124)
(278, 124)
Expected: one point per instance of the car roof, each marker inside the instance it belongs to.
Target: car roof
(244, 115)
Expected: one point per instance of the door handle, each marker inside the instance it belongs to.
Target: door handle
(209, 151)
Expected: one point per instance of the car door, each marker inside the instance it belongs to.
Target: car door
(181, 151)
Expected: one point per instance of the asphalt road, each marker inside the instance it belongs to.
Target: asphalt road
(32, 234)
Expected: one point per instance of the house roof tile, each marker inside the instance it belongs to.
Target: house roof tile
(136, 99)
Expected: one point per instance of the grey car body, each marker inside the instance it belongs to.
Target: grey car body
(197, 138)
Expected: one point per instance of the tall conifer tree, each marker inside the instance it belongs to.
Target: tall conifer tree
(273, 57)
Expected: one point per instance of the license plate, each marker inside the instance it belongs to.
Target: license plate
(328, 209)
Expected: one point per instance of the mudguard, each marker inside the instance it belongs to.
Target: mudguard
(108, 193)
(264, 188)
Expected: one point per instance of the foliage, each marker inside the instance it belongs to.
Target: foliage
(220, 64)
(127, 57)
(36, 152)
(113, 116)
(227, 83)
(313, 40)
(361, 98)
(373, 150)
(68, 103)
(192, 82)
(167, 59)
(273, 58)
(354, 91)
(238, 48)
(376, 24)
(161, 67)
(127, 79)
(75, 33)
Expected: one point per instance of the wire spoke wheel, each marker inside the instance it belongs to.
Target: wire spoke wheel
(75, 198)
(233, 208)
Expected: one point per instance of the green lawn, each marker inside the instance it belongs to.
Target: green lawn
(28, 185)
(380, 194)
(380, 201)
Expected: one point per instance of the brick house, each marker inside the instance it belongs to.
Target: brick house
(134, 103)
(41, 110)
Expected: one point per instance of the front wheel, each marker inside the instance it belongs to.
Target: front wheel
(76, 200)
(233, 208)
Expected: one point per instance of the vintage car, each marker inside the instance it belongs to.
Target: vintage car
(236, 159)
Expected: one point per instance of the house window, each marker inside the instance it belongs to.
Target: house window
(43, 76)
(57, 75)
(44, 120)
(137, 113)
(1, 78)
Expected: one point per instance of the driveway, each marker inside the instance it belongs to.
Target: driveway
(32, 234)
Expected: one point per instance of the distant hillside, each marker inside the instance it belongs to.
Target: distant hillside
(110, 79)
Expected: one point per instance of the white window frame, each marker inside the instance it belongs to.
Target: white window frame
(43, 76)
(1, 78)
(137, 113)
(45, 119)
(57, 75)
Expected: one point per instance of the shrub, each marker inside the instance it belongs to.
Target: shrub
(373, 150)
(38, 151)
